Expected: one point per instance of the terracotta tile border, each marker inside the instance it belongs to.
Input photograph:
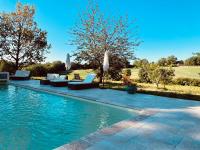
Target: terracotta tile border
(89, 140)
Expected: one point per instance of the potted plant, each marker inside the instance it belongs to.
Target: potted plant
(130, 87)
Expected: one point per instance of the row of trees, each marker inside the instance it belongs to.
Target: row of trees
(171, 61)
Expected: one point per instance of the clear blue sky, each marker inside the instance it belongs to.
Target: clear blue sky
(167, 27)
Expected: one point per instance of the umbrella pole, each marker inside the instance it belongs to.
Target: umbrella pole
(103, 79)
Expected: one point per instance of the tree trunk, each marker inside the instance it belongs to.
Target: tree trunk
(18, 50)
(101, 75)
(17, 65)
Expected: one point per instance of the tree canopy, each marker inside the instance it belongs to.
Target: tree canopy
(194, 60)
(95, 34)
(21, 41)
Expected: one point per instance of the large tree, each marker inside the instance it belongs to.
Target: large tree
(21, 41)
(94, 34)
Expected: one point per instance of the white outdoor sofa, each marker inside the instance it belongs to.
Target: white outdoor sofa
(21, 75)
(4, 77)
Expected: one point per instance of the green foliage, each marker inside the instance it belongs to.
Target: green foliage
(37, 70)
(169, 61)
(162, 62)
(143, 75)
(187, 82)
(153, 73)
(166, 75)
(126, 72)
(140, 62)
(21, 41)
(7, 66)
(172, 61)
(115, 74)
(43, 69)
(55, 67)
(193, 61)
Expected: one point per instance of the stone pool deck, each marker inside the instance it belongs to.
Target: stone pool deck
(162, 124)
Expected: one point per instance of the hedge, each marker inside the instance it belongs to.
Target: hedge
(187, 81)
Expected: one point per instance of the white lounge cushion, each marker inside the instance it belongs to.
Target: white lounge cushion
(4, 76)
(51, 76)
(62, 77)
(22, 73)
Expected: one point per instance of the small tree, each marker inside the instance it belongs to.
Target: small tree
(140, 62)
(159, 75)
(154, 74)
(162, 62)
(171, 60)
(95, 34)
(144, 74)
(166, 75)
(21, 41)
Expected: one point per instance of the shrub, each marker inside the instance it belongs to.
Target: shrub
(187, 81)
(37, 70)
(7, 66)
(55, 67)
(166, 75)
(126, 72)
(143, 75)
(140, 62)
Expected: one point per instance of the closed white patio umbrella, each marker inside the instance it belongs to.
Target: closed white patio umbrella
(68, 63)
(105, 63)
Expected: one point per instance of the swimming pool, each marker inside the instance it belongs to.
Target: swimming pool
(36, 120)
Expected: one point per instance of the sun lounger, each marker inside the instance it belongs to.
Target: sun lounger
(21, 75)
(50, 77)
(59, 81)
(4, 77)
(85, 84)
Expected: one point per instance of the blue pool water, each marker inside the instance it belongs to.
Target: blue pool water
(31, 120)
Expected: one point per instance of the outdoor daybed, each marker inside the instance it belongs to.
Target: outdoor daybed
(85, 84)
(4, 77)
(21, 75)
(60, 81)
(50, 76)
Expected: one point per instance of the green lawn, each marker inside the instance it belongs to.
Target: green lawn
(180, 72)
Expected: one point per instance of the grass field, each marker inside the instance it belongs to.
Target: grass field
(180, 72)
